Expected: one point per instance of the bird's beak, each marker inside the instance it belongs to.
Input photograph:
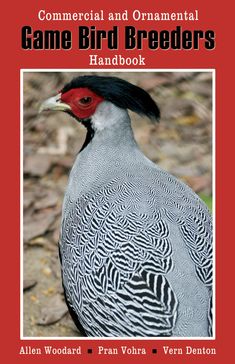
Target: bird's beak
(54, 103)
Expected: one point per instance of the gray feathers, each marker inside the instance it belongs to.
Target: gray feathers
(136, 246)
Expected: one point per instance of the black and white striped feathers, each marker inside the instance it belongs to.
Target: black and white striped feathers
(139, 271)
(136, 243)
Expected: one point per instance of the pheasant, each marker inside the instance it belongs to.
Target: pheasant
(136, 243)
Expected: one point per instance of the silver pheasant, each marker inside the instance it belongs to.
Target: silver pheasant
(136, 243)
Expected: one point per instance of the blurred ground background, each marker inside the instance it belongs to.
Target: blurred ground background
(181, 143)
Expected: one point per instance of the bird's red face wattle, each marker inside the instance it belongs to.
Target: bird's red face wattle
(83, 102)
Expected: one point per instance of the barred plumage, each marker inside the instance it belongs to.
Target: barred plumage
(124, 238)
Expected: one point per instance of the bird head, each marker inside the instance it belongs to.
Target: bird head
(84, 95)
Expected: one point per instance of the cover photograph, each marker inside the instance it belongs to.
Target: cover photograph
(116, 224)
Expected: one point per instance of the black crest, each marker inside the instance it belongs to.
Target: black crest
(121, 93)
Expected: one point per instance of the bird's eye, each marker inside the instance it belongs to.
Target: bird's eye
(85, 100)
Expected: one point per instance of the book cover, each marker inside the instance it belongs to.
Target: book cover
(180, 55)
